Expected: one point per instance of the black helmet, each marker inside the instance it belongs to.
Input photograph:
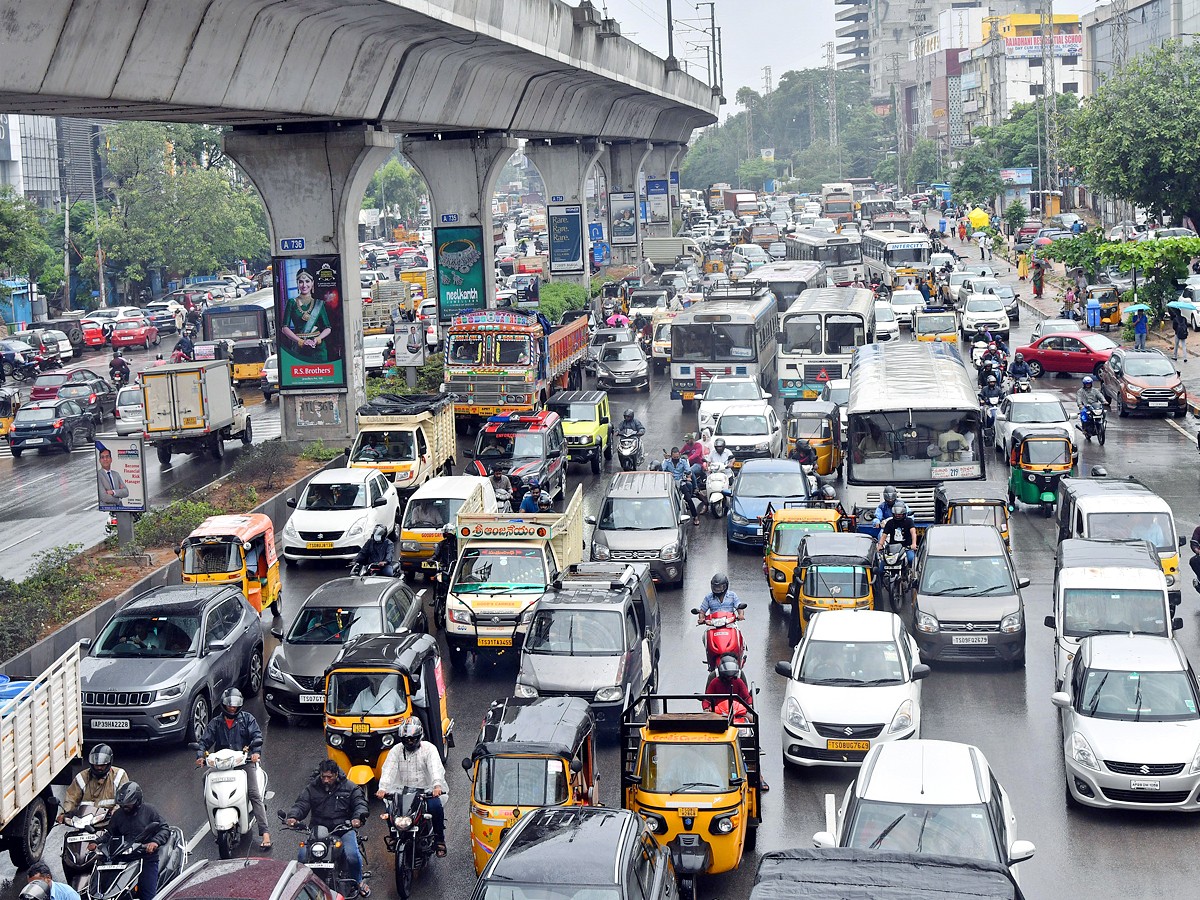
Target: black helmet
(36, 889)
(100, 759)
(628, 414)
(719, 583)
(233, 701)
(900, 508)
(545, 503)
(412, 732)
(889, 495)
(719, 444)
(728, 668)
(1019, 356)
(129, 796)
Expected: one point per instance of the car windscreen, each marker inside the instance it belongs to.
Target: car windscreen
(382, 446)
(509, 781)
(334, 496)
(963, 831)
(74, 391)
(621, 353)
(966, 576)
(509, 445)
(1137, 696)
(984, 305)
(884, 313)
(576, 412)
(1113, 610)
(738, 425)
(772, 484)
(50, 381)
(576, 632)
(509, 890)
(500, 568)
(668, 768)
(1149, 364)
(1037, 412)
(846, 664)
(334, 624)
(137, 634)
(35, 415)
(1155, 527)
(636, 514)
(729, 389)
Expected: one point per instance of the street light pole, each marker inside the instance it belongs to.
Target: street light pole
(96, 224)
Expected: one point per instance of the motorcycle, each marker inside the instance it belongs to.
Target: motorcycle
(26, 371)
(83, 824)
(365, 569)
(977, 350)
(988, 408)
(120, 377)
(1022, 385)
(322, 852)
(1093, 421)
(991, 367)
(629, 450)
(895, 573)
(410, 835)
(717, 483)
(723, 637)
(227, 798)
(118, 867)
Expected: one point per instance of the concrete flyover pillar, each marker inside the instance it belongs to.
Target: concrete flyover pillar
(658, 166)
(564, 167)
(622, 165)
(312, 184)
(461, 175)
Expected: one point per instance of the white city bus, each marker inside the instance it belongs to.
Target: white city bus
(841, 254)
(895, 256)
(912, 421)
(818, 336)
(731, 333)
(787, 280)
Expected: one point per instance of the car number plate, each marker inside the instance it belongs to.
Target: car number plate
(312, 698)
(1158, 404)
(360, 728)
(429, 564)
(863, 746)
(689, 395)
(1144, 784)
(689, 811)
(319, 545)
(111, 723)
(29, 441)
(624, 379)
(969, 639)
(495, 642)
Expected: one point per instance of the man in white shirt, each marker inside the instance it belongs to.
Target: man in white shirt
(415, 763)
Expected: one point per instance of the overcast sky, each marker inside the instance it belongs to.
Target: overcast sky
(782, 34)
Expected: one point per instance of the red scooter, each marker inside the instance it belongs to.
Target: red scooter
(723, 637)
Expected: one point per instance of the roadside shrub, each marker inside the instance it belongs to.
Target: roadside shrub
(429, 380)
(57, 589)
(318, 451)
(557, 297)
(168, 526)
(263, 464)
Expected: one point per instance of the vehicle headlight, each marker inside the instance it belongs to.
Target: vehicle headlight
(460, 616)
(793, 715)
(410, 546)
(404, 822)
(403, 476)
(1081, 752)
(723, 825)
(336, 740)
(927, 623)
(1011, 623)
(1179, 389)
(170, 693)
(1170, 580)
(670, 552)
(525, 690)
(738, 519)
(610, 694)
(290, 529)
(763, 447)
(273, 670)
(388, 740)
(600, 552)
(317, 850)
(1195, 766)
(903, 719)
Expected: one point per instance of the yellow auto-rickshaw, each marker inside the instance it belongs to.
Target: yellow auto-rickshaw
(694, 776)
(235, 548)
(820, 423)
(10, 402)
(530, 753)
(373, 685)
(1110, 303)
(935, 324)
(972, 503)
(784, 529)
(833, 571)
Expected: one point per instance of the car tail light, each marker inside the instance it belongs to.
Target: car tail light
(91, 398)
(117, 413)
(58, 423)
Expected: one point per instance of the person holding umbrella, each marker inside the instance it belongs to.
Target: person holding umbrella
(1039, 277)
(1141, 328)
(1180, 327)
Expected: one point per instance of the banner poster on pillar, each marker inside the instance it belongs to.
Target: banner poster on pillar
(657, 193)
(622, 219)
(565, 225)
(458, 255)
(120, 473)
(409, 341)
(674, 176)
(308, 308)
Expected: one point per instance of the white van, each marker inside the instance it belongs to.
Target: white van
(434, 505)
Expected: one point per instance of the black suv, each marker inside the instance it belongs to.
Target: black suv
(595, 634)
(611, 854)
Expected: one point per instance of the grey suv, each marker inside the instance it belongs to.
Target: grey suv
(159, 666)
(967, 601)
(643, 519)
(596, 634)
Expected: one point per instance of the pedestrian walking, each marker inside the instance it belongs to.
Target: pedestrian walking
(982, 240)
(1180, 326)
(1039, 278)
(962, 231)
(1141, 327)
(1022, 266)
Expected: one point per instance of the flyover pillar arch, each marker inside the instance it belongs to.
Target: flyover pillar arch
(312, 185)
(564, 167)
(461, 176)
(658, 166)
(622, 165)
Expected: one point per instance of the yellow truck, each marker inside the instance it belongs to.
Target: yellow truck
(409, 439)
(423, 281)
(505, 563)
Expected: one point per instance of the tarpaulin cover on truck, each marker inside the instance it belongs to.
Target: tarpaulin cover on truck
(395, 405)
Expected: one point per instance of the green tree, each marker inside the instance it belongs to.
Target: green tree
(977, 178)
(24, 249)
(923, 163)
(398, 185)
(753, 172)
(1163, 263)
(1082, 252)
(1135, 139)
(1015, 215)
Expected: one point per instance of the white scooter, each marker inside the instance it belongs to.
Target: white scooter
(717, 489)
(227, 799)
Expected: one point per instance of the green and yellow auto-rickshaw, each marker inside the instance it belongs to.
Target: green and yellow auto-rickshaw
(972, 503)
(1038, 458)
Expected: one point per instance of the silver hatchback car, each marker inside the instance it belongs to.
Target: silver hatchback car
(129, 413)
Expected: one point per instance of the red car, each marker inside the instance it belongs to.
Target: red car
(134, 332)
(249, 879)
(46, 387)
(1076, 352)
(93, 333)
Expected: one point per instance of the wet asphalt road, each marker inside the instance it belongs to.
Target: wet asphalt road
(1098, 855)
(48, 498)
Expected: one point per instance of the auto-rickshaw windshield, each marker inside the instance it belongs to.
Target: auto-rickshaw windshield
(334, 625)
(967, 514)
(520, 781)
(668, 768)
(836, 582)
(1155, 527)
(1046, 453)
(212, 558)
(787, 537)
(809, 427)
(365, 694)
(835, 662)
(576, 632)
(431, 512)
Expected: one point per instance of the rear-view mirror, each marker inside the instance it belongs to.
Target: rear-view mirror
(920, 670)
(784, 668)
(291, 502)
(1176, 623)
(1048, 621)
(1022, 582)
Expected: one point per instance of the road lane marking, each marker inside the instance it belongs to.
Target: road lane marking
(1191, 438)
(21, 541)
(197, 837)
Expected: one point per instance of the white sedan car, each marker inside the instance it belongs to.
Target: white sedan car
(337, 512)
(853, 682)
(723, 391)
(904, 302)
(1034, 408)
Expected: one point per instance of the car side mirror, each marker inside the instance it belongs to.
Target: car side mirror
(1019, 850)
(291, 502)
(823, 840)
(1177, 623)
(920, 670)
(85, 643)
(1023, 582)
(1182, 542)
(277, 633)
(466, 764)
(216, 646)
(784, 668)
(468, 453)
(590, 520)
(779, 336)
(1048, 621)
(604, 420)
(1061, 699)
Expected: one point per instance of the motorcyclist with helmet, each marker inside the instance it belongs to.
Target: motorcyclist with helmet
(138, 821)
(118, 368)
(40, 885)
(991, 391)
(720, 599)
(416, 763)
(630, 423)
(95, 784)
(728, 680)
(720, 455)
(803, 453)
(1019, 368)
(233, 728)
(330, 800)
(883, 511)
(379, 550)
(1089, 395)
(900, 529)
